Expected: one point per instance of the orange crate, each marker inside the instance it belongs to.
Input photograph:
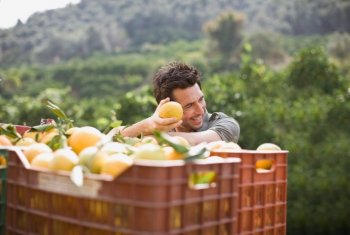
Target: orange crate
(146, 199)
(262, 206)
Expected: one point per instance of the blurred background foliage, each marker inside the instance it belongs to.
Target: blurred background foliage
(281, 68)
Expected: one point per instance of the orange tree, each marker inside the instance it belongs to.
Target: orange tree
(304, 109)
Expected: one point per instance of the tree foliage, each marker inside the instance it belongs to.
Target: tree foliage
(266, 46)
(311, 70)
(339, 46)
(225, 33)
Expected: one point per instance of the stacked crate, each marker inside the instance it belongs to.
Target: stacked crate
(262, 207)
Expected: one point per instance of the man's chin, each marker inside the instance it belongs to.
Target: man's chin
(189, 127)
(197, 126)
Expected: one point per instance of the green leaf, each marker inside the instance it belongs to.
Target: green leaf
(197, 152)
(112, 124)
(54, 108)
(118, 138)
(202, 179)
(165, 138)
(247, 47)
(131, 141)
(116, 124)
(45, 127)
(10, 131)
(58, 142)
(130, 149)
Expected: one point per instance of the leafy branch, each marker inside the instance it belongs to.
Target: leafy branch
(192, 153)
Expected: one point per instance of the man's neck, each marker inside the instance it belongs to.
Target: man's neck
(179, 129)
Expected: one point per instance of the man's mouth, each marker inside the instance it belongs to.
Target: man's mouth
(197, 120)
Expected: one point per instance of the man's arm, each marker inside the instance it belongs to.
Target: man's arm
(148, 125)
(226, 127)
(221, 127)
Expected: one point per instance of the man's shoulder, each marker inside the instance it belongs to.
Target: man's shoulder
(222, 117)
(226, 127)
(216, 115)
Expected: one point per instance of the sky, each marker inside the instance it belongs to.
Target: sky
(12, 10)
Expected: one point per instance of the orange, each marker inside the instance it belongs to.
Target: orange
(114, 147)
(149, 151)
(92, 158)
(215, 145)
(48, 137)
(42, 160)
(3, 161)
(4, 141)
(171, 109)
(36, 135)
(149, 139)
(182, 140)
(84, 137)
(171, 154)
(116, 164)
(63, 159)
(268, 147)
(35, 149)
(137, 143)
(11, 139)
(230, 145)
(179, 140)
(53, 130)
(70, 132)
(263, 164)
(25, 141)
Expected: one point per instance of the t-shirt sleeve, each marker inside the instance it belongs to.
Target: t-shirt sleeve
(226, 127)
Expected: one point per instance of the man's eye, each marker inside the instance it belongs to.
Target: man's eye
(188, 106)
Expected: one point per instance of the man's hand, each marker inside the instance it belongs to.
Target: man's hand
(162, 124)
(149, 125)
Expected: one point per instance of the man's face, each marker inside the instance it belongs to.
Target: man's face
(193, 104)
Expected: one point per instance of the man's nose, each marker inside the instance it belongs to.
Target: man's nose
(199, 109)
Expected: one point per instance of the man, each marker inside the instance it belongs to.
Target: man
(181, 83)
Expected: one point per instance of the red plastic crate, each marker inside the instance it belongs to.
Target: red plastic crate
(262, 207)
(146, 199)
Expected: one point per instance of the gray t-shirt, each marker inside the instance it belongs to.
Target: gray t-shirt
(226, 127)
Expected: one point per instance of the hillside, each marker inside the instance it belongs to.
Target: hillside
(125, 25)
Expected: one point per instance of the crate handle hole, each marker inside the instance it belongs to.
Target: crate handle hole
(202, 180)
(3, 158)
(265, 166)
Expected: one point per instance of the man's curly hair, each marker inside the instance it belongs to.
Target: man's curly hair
(175, 75)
